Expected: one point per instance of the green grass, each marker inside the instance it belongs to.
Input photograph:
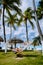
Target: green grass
(29, 58)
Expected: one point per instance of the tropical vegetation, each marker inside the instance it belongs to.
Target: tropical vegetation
(12, 5)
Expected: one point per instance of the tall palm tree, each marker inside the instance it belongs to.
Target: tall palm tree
(37, 23)
(27, 16)
(9, 5)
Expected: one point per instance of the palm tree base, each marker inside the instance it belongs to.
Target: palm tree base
(42, 46)
(6, 47)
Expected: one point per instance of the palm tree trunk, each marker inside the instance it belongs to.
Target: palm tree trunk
(38, 26)
(15, 45)
(4, 28)
(10, 31)
(11, 35)
(4, 25)
(0, 46)
(26, 31)
(0, 14)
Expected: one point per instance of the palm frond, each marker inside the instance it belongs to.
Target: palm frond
(39, 13)
(41, 3)
(6, 20)
(33, 17)
(0, 2)
(18, 2)
(6, 17)
(35, 42)
(15, 15)
(20, 21)
(28, 10)
(17, 9)
(37, 39)
(9, 12)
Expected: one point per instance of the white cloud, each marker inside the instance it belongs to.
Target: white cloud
(28, 3)
(7, 30)
(19, 31)
(23, 36)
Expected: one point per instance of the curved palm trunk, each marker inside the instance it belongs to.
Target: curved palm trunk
(26, 31)
(4, 25)
(38, 26)
(4, 29)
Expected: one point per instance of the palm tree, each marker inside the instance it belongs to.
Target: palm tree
(36, 41)
(27, 16)
(9, 5)
(37, 23)
(11, 23)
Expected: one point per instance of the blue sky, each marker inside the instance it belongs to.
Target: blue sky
(20, 32)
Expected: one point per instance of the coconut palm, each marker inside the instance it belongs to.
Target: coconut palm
(37, 23)
(11, 22)
(9, 5)
(27, 16)
(36, 41)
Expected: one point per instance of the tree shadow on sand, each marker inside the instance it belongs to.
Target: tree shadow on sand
(30, 55)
